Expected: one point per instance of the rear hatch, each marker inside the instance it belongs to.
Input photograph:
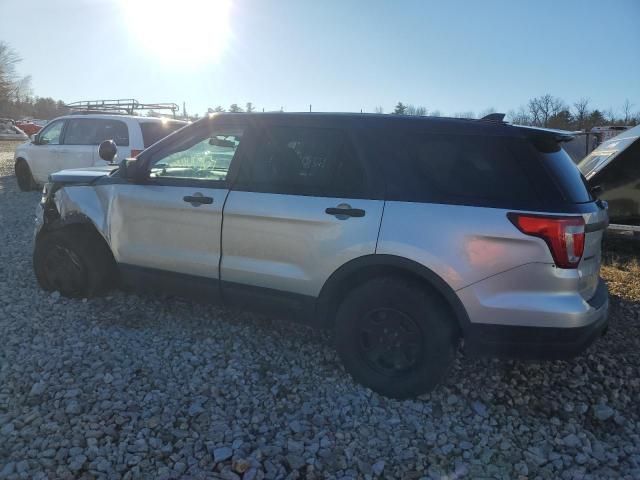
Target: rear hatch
(565, 192)
(607, 152)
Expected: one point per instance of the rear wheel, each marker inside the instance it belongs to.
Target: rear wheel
(74, 261)
(26, 183)
(395, 337)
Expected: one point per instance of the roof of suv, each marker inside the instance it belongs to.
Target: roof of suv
(482, 125)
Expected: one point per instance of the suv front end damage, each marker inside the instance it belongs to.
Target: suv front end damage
(72, 197)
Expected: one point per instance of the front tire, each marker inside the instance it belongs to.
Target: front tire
(74, 261)
(395, 337)
(26, 183)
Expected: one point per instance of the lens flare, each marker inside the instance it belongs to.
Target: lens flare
(179, 32)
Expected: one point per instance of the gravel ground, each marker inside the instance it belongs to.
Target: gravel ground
(140, 387)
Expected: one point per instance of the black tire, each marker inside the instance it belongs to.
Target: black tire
(74, 261)
(26, 183)
(395, 336)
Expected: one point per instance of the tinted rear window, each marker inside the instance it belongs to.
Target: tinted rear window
(457, 169)
(154, 131)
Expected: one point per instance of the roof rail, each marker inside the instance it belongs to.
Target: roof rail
(493, 117)
(121, 106)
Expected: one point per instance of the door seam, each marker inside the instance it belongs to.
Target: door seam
(384, 204)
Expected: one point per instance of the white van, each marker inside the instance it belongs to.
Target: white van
(72, 142)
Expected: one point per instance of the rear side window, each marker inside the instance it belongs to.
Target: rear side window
(113, 130)
(458, 169)
(304, 161)
(154, 131)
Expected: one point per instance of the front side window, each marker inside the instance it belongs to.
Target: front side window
(51, 134)
(304, 161)
(200, 158)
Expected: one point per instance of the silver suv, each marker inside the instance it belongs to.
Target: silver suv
(407, 235)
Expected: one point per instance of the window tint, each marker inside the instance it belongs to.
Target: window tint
(93, 131)
(304, 161)
(154, 131)
(81, 131)
(200, 158)
(115, 130)
(566, 175)
(448, 168)
(50, 135)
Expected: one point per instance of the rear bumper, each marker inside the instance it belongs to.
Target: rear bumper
(541, 342)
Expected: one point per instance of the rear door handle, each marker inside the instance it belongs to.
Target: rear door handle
(197, 199)
(344, 211)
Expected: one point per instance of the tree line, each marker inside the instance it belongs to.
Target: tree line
(544, 111)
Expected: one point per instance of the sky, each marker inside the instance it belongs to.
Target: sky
(337, 55)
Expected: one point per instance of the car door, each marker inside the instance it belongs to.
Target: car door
(165, 231)
(78, 143)
(45, 151)
(303, 205)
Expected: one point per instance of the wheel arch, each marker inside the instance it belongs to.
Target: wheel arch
(359, 270)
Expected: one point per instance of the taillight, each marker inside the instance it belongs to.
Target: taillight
(135, 153)
(563, 235)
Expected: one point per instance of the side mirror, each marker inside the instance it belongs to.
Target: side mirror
(108, 150)
(128, 169)
(34, 138)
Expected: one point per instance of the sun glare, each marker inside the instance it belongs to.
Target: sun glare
(183, 32)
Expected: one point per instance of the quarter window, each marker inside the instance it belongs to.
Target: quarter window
(304, 161)
(51, 134)
(445, 168)
(200, 158)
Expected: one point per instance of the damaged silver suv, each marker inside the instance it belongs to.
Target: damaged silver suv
(409, 236)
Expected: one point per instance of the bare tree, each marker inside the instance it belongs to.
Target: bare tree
(435, 113)
(609, 115)
(581, 112)
(626, 112)
(543, 108)
(9, 78)
(468, 114)
(23, 89)
(416, 110)
(378, 109)
(520, 116)
(249, 107)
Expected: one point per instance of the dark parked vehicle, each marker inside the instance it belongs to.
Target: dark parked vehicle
(613, 169)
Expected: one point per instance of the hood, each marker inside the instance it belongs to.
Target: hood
(82, 175)
(607, 152)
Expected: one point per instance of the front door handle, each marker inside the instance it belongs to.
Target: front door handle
(197, 199)
(344, 211)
